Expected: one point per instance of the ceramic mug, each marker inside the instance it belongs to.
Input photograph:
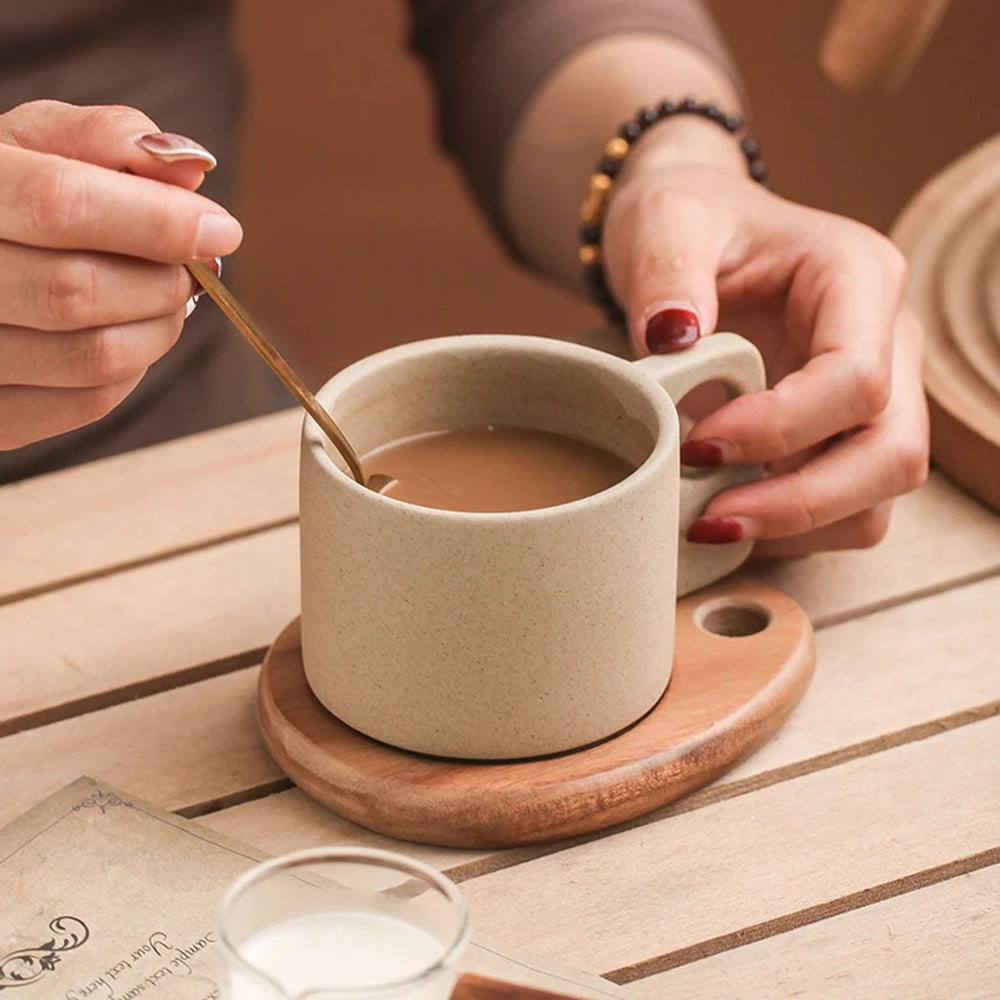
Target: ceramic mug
(508, 635)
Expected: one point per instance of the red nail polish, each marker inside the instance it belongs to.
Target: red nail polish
(702, 453)
(671, 330)
(173, 148)
(715, 531)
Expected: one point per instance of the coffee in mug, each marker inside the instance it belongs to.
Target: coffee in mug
(516, 633)
(494, 468)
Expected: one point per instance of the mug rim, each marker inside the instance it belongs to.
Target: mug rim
(667, 424)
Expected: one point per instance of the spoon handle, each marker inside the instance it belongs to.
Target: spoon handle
(223, 298)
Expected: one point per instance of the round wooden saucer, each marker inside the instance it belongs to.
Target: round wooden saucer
(744, 657)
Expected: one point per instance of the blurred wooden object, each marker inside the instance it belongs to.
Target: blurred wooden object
(951, 234)
(871, 45)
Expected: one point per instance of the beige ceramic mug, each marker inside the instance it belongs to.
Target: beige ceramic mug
(507, 635)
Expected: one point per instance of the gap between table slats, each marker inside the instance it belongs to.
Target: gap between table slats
(798, 851)
(932, 941)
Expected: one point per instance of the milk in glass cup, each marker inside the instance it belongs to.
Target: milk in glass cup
(341, 923)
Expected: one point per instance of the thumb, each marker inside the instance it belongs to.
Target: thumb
(669, 274)
(113, 136)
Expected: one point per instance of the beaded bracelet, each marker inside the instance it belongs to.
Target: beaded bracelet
(602, 180)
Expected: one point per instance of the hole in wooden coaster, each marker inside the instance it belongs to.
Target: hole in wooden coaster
(732, 619)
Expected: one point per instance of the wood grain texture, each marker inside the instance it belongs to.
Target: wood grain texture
(787, 852)
(726, 696)
(154, 627)
(290, 821)
(875, 681)
(938, 538)
(965, 408)
(187, 750)
(875, 687)
(170, 498)
(934, 942)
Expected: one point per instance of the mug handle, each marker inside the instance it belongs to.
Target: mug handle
(737, 364)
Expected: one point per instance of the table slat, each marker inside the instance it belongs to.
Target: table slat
(756, 858)
(89, 645)
(938, 538)
(875, 678)
(943, 940)
(180, 749)
(146, 504)
(290, 821)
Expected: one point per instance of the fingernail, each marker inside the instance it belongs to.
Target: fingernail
(711, 451)
(671, 330)
(215, 266)
(722, 530)
(172, 148)
(218, 234)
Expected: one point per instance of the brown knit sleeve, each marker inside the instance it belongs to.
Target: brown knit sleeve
(487, 58)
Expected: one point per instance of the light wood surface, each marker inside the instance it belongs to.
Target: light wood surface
(743, 658)
(854, 854)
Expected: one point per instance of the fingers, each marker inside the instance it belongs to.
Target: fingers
(861, 531)
(51, 290)
(843, 303)
(81, 359)
(30, 414)
(663, 249)
(116, 137)
(49, 201)
(836, 496)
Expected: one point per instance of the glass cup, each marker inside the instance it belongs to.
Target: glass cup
(341, 923)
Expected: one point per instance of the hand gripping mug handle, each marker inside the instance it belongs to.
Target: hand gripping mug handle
(737, 364)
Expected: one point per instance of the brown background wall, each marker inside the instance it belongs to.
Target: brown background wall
(359, 234)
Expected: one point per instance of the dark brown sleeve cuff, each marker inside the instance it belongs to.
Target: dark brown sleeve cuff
(487, 57)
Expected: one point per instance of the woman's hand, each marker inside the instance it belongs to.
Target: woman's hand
(691, 247)
(93, 233)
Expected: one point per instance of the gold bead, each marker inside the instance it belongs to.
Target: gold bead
(617, 148)
(597, 196)
(589, 254)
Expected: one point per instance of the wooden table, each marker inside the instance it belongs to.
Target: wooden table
(855, 855)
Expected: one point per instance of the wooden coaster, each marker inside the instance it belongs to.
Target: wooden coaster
(744, 657)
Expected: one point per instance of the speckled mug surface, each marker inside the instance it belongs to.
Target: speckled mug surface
(505, 635)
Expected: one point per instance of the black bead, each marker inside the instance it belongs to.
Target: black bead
(749, 147)
(667, 108)
(590, 233)
(609, 165)
(647, 116)
(732, 123)
(600, 295)
(593, 276)
(713, 112)
(615, 314)
(630, 131)
(757, 171)
(689, 104)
